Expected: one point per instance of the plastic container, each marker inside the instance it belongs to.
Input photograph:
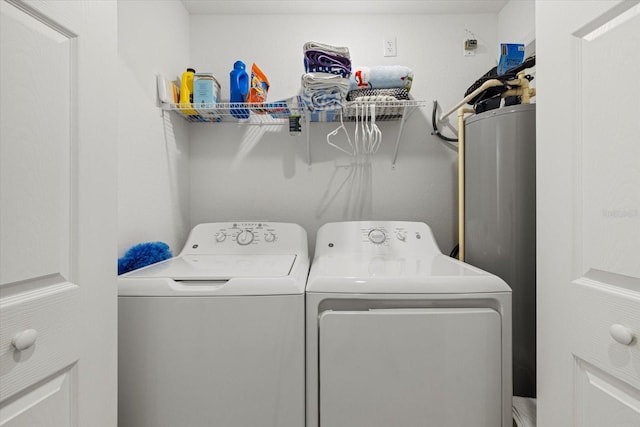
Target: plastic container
(259, 85)
(206, 94)
(186, 91)
(206, 90)
(512, 55)
(239, 86)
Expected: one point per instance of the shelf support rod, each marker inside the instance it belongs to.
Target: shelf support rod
(402, 121)
(307, 118)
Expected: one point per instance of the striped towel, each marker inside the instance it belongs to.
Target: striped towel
(333, 50)
(317, 61)
(397, 93)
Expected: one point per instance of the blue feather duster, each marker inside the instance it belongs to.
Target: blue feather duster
(143, 254)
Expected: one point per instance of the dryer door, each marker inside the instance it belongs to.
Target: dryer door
(410, 367)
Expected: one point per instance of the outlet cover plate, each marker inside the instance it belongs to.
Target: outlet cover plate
(390, 46)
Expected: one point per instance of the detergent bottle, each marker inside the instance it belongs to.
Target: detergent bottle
(186, 92)
(239, 84)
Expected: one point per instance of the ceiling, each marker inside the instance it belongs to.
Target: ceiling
(360, 7)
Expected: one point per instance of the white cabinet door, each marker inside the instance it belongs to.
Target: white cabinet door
(58, 295)
(588, 144)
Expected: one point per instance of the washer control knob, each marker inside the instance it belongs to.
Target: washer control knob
(244, 237)
(269, 237)
(377, 236)
(402, 236)
(220, 237)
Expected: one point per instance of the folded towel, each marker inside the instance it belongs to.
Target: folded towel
(324, 116)
(396, 93)
(333, 50)
(323, 91)
(381, 77)
(317, 61)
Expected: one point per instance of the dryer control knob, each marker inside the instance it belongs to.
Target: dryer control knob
(244, 237)
(270, 237)
(401, 236)
(220, 237)
(377, 236)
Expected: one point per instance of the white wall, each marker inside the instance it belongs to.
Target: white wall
(153, 186)
(516, 22)
(245, 172)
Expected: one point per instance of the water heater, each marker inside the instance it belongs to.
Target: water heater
(500, 220)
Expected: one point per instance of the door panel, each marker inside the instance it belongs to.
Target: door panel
(404, 366)
(588, 213)
(41, 404)
(603, 302)
(36, 148)
(50, 311)
(609, 190)
(608, 136)
(604, 400)
(57, 213)
(36, 180)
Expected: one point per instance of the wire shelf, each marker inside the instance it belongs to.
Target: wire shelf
(250, 113)
(279, 112)
(363, 110)
(381, 110)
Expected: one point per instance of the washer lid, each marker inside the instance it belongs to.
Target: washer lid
(218, 267)
(358, 273)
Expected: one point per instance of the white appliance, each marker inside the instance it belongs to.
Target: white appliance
(399, 334)
(215, 335)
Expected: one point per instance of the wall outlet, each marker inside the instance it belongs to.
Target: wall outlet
(390, 46)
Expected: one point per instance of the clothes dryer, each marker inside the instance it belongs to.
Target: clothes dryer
(400, 334)
(215, 335)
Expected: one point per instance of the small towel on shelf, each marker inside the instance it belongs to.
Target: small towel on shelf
(324, 58)
(381, 77)
(316, 61)
(396, 93)
(333, 50)
(323, 91)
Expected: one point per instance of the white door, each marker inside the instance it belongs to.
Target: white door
(58, 295)
(588, 145)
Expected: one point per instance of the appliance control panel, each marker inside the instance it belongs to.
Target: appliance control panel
(384, 235)
(245, 237)
(381, 237)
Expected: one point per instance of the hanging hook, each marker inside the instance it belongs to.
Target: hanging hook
(335, 132)
(357, 140)
(376, 130)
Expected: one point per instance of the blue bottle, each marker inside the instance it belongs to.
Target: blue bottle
(239, 80)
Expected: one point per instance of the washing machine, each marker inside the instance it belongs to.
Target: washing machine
(399, 334)
(215, 335)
